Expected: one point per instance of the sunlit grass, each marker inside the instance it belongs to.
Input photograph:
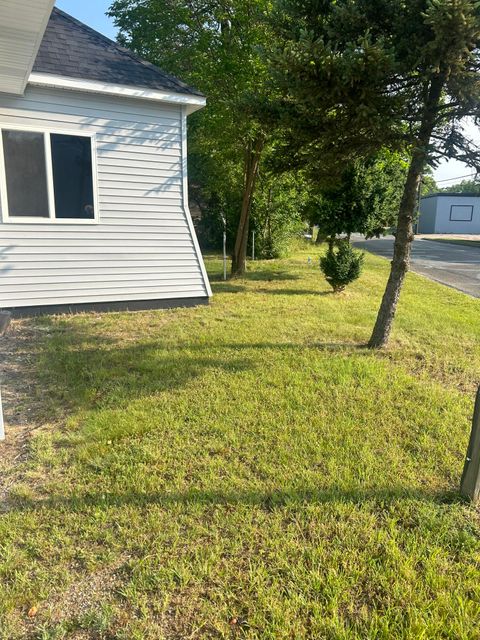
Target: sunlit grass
(249, 469)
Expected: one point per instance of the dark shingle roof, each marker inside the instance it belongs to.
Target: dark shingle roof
(70, 48)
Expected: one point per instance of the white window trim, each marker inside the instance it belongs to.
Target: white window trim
(51, 219)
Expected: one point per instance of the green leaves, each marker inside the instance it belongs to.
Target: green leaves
(365, 199)
(342, 265)
(217, 47)
(356, 74)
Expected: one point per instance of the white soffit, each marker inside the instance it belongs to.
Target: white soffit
(22, 27)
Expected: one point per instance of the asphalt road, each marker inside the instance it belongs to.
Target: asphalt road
(457, 266)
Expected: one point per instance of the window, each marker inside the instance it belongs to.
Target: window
(47, 176)
(72, 176)
(26, 174)
(461, 212)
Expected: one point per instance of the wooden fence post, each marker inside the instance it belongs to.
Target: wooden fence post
(470, 484)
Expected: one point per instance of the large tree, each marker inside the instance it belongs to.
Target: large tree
(215, 46)
(359, 75)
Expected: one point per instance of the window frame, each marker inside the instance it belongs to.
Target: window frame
(461, 206)
(51, 219)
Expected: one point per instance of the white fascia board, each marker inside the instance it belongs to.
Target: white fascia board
(190, 102)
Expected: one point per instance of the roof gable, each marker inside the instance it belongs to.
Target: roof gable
(72, 49)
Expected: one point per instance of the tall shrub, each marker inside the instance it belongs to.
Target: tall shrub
(341, 265)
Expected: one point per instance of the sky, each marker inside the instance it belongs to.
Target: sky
(92, 12)
(445, 173)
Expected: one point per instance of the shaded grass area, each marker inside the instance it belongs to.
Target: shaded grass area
(250, 469)
(467, 243)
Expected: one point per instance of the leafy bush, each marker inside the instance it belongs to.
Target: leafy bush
(279, 241)
(277, 214)
(341, 265)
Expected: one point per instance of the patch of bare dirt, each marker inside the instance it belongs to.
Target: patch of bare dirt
(20, 398)
(84, 596)
(76, 603)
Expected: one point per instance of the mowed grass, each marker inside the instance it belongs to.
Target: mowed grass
(250, 470)
(467, 243)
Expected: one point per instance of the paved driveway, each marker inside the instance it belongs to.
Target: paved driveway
(457, 266)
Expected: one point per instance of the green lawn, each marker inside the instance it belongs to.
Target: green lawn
(250, 470)
(467, 243)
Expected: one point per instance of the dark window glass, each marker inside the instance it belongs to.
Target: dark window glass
(72, 176)
(26, 173)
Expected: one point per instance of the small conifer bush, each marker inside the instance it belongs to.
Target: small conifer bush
(341, 265)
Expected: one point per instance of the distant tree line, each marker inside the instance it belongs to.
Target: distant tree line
(466, 186)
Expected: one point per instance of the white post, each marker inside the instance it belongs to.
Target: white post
(2, 427)
(253, 245)
(224, 255)
(224, 220)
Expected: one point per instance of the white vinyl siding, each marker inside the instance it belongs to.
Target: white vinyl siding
(143, 246)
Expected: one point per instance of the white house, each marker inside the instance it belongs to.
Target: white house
(93, 172)
(456, 213)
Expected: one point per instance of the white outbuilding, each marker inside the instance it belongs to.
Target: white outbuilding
(450, 213)
(93, 172)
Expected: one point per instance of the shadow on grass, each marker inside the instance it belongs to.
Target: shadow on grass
(270, 276)
(86, 371)
(267, 501)
(260, 275)
(294, 292)
(230, 287)
(91, 372)
(285, 346)
(227, 287)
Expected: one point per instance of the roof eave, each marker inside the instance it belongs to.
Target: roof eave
(191, 102)
(22, 35)
(452, 194)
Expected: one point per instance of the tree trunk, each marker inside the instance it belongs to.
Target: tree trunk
(401, 255)
(252, 161)
(404, 235)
